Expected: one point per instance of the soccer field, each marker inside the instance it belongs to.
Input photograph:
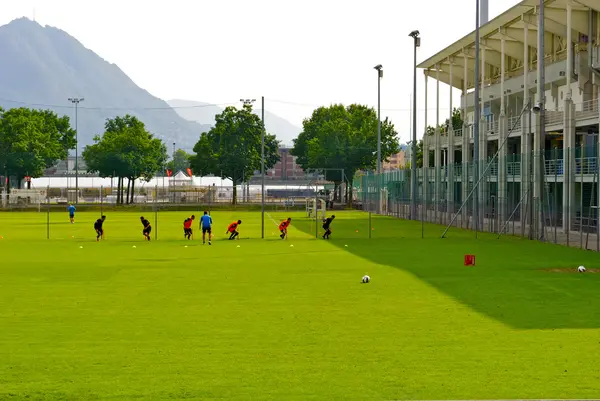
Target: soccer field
(260, 319)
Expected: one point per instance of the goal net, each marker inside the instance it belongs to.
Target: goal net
(317, 206)
(27, 197)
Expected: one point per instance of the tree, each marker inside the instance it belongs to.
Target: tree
(339, 137)
(457, 121)
(419, 154)
(180, 162)
(457, 124)
(126, 150)
(232, 148)
(32, 140)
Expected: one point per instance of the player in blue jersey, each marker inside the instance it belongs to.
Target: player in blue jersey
(72, 209)
(206, 225)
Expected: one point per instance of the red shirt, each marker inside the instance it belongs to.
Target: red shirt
(284, 224)
(232, 227)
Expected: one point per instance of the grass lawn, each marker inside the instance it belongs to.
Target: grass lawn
(260, 319)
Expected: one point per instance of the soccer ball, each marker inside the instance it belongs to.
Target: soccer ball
(366, 279)
(581, 269)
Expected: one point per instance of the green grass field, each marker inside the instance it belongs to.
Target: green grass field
(260, 319)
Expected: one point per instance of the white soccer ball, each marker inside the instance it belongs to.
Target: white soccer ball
(366, 279)
(581, 269)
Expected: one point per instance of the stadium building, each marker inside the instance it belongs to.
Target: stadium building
(567, 148)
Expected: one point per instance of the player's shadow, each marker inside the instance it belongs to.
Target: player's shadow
(510, 282)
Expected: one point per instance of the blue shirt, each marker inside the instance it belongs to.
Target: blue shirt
(205, 221)
(71, 209)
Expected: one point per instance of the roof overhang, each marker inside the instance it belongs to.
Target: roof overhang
(510, 25)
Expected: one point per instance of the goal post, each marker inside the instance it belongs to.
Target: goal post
(27, 198)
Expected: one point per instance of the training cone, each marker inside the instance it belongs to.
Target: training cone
(469, 260)
(356, 230)
(135, 246)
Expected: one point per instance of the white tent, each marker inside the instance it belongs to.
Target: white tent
(180, 180)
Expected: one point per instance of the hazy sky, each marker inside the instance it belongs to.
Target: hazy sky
(299, 55)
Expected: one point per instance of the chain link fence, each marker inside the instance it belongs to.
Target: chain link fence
(554, 209)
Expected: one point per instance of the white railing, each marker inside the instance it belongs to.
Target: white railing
(586, 165)
(458, 170)
(554, 117)
(489, 125)
(443, 140)
(587, 109)
(458, 132)
(513, 168)
(492, 171)
(514, 123)
(554, 167)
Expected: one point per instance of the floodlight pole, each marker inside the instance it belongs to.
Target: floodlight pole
(379, 69)
(541, 89)
(262, 168)
(75, 101)
(246, 188)
(413, 153)
(476, 118)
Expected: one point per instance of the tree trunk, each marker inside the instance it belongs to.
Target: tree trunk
(29, 185)
(234, 200)
(118, 190)
(349, 191)
(127, 193)
(132, 189)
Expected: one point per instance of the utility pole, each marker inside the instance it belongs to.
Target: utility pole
(76, 101)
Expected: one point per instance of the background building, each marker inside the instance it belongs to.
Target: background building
(395, 162)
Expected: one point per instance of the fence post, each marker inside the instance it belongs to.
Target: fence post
(48, 212)
(570, 180)
(581, 152)
(156, 212)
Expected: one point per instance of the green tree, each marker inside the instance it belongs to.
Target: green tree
(232, 148)
(32, 140)
(419, 155)
(457, 124)
(180, 162)
(457, 121)
(126, 150)
(339, 137)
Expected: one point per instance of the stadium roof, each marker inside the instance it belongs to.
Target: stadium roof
(511, 24)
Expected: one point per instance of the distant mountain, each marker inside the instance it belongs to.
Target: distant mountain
(41, 66)
(204, 113)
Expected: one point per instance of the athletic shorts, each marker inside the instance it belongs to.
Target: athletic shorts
(206, 230)
(187, 230)
(100, 231)
(71, 215)
(147, 230)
